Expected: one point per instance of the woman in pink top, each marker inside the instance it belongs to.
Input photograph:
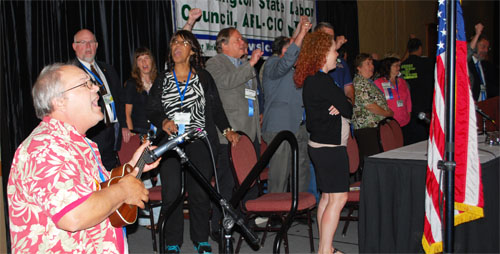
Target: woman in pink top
(395, 90)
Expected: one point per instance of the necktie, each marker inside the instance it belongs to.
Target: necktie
(482, 95)
(102, 90)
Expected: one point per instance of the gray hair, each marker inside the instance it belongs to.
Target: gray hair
(223, 37)
(47, 87)
(320, 25)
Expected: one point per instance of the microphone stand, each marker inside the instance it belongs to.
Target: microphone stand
(484, 127)
(230, 215)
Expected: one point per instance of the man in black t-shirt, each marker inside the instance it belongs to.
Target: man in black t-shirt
(418, 71)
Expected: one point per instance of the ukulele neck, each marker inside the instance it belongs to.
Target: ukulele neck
(141, 163)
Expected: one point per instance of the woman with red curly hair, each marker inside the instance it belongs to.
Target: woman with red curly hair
(328, 111)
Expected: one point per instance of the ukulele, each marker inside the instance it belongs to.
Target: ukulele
(126, 214)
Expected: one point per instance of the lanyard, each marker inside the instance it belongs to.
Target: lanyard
(181, 94)
(101, 175)
(397, 87)
(93, 74)
(102, 84)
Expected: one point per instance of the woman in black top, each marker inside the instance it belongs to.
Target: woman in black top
(136, 90)
(135, 96)
(182, 98)
(327, 119)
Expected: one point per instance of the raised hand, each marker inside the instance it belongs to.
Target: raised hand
(478, 28)
(256, 54)
(194, 14)
(340, 40)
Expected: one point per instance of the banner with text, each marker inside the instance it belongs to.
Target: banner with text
(260, 21)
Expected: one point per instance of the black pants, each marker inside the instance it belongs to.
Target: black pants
(198, 198)
(225, 179)
(368, 143)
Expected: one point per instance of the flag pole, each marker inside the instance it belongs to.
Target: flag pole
(449, 160)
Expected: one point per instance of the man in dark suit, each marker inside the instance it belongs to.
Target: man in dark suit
(483, 75)
(107, 132)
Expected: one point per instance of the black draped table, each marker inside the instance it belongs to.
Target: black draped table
(391, 212)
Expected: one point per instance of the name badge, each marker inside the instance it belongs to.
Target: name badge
(250, 94)
(386, 85)
(108, 99)
(400, 103)
(182, 118)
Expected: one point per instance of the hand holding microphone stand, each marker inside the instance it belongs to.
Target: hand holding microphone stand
(230, 215)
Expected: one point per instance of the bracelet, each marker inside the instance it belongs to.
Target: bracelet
(224, 133)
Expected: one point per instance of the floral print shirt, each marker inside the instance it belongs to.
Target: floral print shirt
(53, 171)
(366, 92)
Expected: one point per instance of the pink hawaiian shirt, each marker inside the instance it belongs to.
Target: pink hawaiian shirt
(53, 171)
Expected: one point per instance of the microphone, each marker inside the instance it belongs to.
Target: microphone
(159, 151)
(422, 116)
(484, 115)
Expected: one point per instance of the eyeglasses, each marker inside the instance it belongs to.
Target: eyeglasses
(86, 42)
(176, 42)
(88, 84)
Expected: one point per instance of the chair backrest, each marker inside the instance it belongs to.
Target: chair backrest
(243, 158)
(390, 136)
(353, 154)
(128, 149)
(265, 173)
(398, 133)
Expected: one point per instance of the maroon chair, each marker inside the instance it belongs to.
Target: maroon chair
(265, 173)
(271, 205)
(398, 133)
(124, 155)
(390, 134)
(352, 203)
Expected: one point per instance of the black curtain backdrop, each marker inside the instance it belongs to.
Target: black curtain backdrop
(37, 33)
(343, 15)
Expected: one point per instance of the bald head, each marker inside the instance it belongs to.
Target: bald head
(85, 45)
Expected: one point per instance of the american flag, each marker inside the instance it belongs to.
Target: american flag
(468, 185)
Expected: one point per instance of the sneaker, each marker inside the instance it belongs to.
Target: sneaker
(261, 221)
(173, 249)
(203, 247)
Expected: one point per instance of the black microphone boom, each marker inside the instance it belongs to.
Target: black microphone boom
(487, 117)
(156, 153)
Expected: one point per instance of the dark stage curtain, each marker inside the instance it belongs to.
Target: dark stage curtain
(343, 15)
(37, 33)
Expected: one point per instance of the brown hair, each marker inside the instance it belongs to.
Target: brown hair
(312, 55)
(223, 37)
(360, 59)
(136, 72)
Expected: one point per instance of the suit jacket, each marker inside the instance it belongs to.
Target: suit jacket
(231, 84)
(490, 76)
(283, 100)
(115, 88)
